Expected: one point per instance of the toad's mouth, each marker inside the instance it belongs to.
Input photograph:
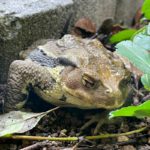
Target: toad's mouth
(76, 100)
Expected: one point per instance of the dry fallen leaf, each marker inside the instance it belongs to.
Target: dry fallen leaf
(117, 28)
(137, 18)
(20, 122)
(84, 27)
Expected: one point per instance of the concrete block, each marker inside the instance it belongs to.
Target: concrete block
(96, 10)
(126, 9)
(23, 22)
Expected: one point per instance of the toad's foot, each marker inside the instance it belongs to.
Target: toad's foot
(99, 118)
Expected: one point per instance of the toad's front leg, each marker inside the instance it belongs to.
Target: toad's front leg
(21, 75)
(99, 118)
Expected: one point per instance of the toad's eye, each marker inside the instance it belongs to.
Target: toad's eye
(89, 82)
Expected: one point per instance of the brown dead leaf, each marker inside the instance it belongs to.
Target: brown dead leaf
(117, 28)
(137, 18)
(84, 27)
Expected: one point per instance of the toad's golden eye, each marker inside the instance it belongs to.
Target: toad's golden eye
(89, 82)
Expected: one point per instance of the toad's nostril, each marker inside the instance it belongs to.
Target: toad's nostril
(108, 91)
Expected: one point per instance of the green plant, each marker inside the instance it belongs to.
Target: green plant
(139, 111)
(137, 52)
(122, 35)
(146, 9)
(128, 34)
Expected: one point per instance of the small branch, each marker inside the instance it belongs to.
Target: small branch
(114, 135)
(53, 109)
(146, 97)
(34, 146)
(40, 138)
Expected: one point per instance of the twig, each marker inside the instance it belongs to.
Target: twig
(41, 138)
(102, 136)
(146, 97)
(76, 145)
(35, 146)
(138, 92)
(53, 109)
(114, 135)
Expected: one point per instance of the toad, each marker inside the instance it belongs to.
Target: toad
(69, 72)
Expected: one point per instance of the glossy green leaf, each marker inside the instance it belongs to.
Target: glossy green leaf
(147, 29)
(137, 51)
(136, 55)
(146, 9)
(142, 37)
(142, 41)
(139, 111)
(141, 30)
(122, 35)
(146, 5)
(145, 79)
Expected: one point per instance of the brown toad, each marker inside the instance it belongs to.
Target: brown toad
(70, 72)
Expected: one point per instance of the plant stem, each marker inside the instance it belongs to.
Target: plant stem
(102, 136)
(40, 138)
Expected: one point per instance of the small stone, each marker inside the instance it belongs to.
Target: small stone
(122, 138)
(128, 147)
(72, 133)
(54, 143)
(63, 133)
(54, 135)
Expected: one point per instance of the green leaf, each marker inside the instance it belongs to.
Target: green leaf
(145, 30)
(122, 35)
(148, 29)
(139, 111)
(141, 30)
(142, 41)
(146, 9)
(19, 122)
(147, 14)
(145, 79)
(136, 54)
(137, 51)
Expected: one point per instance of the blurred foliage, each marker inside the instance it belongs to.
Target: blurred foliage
(146, 9)
(137, 52)
(122, 35)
